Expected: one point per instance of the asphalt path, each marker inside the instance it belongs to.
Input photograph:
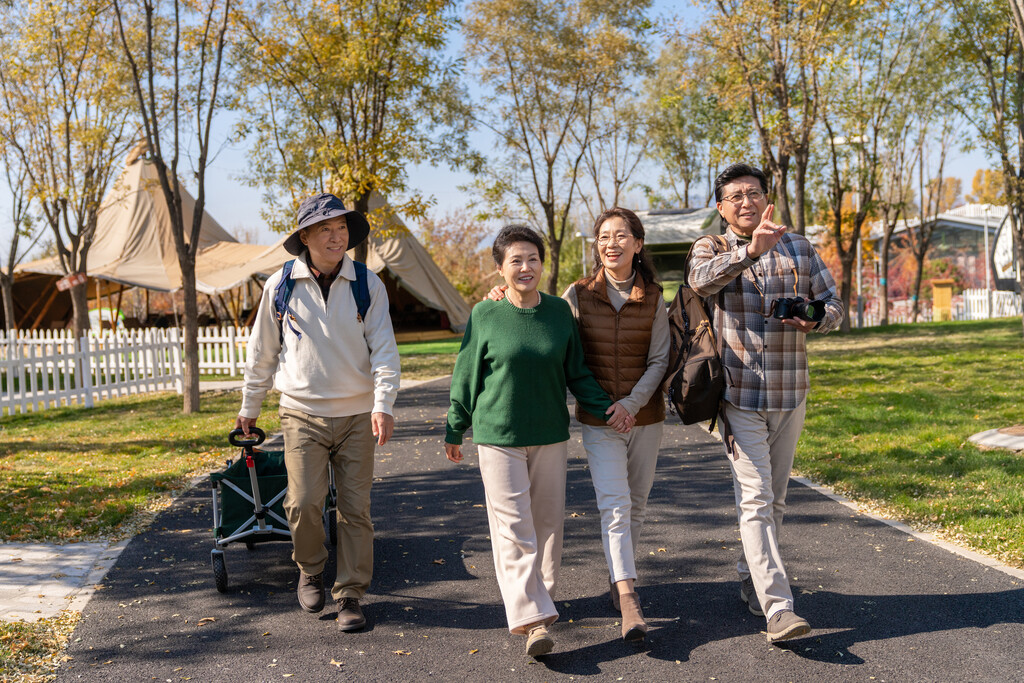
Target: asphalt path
(884, 606)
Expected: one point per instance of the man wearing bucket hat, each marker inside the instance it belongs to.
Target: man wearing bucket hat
(337, 370)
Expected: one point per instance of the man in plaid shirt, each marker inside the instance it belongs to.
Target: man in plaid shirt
(765, 362)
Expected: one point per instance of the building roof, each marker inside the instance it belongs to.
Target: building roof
(678, 226)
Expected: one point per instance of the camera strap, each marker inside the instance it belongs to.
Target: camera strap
(796, 282)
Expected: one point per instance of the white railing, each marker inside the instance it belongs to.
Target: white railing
(40, 371)
(975, 305)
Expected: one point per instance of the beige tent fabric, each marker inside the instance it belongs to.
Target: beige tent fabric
(134, 244)
(402, 256)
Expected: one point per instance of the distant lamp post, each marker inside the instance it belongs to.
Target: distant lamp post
(988, 275)
(583, 252)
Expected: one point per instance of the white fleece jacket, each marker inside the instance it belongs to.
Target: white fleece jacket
(340, 366)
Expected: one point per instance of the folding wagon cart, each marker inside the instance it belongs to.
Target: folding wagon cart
(240, 514)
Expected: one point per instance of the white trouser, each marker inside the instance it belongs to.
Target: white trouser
(765, 443)
(525, 492)
(622, 467)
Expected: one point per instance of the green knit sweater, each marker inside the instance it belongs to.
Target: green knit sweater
(512, 371)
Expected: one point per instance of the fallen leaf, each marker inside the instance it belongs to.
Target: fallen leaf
(474, 651)
(438, 561)
(662, 550)
(205, 620)
(402, 652)
(266, 633)
(407, 609)
(337, 663)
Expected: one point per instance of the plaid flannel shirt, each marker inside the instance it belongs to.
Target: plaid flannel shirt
(765, 361)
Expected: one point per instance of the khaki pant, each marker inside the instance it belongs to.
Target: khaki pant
(765, 443)
(525, 492)
(346, 444)
(622, 468)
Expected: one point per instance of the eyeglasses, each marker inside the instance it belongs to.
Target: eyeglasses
(754, 196)
(621, 239)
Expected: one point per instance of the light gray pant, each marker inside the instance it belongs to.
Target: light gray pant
(311, 444)
(525, 492)
(622, 468)
(765, 443)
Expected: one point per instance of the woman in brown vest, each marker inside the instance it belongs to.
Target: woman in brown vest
(624, 328)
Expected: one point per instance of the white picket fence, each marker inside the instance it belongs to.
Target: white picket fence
(975, 305)
(47, 369)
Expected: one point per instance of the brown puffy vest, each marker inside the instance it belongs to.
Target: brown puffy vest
(616, 344)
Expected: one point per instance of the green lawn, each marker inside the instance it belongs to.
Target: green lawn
(889, 415)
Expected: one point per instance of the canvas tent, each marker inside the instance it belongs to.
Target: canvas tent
(420, 294)
(134, 244)
(134, 247)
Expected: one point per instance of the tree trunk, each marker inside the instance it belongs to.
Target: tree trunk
(361, 251)
(799, 224)
(80, 310)
(555, 250)
(7, 289)
(190, 340)
(916, 296)
(846, 288)
(782, 208)
(883, 278)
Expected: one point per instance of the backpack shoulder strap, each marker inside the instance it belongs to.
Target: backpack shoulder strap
(361, 290)
(282, 294)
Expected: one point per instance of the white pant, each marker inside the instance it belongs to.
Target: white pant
(765, 443)
(622, 468)
(525, 492)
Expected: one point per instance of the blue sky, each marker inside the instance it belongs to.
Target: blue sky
(234, 205)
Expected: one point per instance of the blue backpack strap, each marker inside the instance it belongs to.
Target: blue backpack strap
(281, 296)
(361, 290)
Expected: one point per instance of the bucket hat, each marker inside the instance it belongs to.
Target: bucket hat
(320, 207)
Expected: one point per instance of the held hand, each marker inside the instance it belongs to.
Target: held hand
(497, 293)
(453, 452)
(245, 424)
(804, 326)
(766, 235)
(621, 421)
(383, 426)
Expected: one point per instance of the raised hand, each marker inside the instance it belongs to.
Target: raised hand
(766, 235)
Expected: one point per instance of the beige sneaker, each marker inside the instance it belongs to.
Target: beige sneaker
(539, 642)
(785, 625)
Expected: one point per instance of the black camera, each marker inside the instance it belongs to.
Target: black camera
(798, 307)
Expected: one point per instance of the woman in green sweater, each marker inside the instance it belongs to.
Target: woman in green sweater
(518, 356)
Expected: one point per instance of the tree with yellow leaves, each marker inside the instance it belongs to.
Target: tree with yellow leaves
(344, 96)
(66, 118)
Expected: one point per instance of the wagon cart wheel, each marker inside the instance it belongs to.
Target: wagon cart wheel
(220, 570)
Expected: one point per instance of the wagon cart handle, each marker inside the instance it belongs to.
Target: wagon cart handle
(255, 438)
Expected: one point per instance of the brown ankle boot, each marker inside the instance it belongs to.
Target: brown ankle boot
(633, 626)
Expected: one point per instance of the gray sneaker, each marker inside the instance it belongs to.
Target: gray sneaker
(785, 625)
(749, 596)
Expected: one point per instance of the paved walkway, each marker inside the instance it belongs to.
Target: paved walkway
(38, 580)
(885, 605)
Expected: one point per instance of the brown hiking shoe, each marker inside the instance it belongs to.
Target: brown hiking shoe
(350, 615)
(311, 592)
(785, 625)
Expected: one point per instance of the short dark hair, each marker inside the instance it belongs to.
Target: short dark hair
(735, 171)
(515, 233)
